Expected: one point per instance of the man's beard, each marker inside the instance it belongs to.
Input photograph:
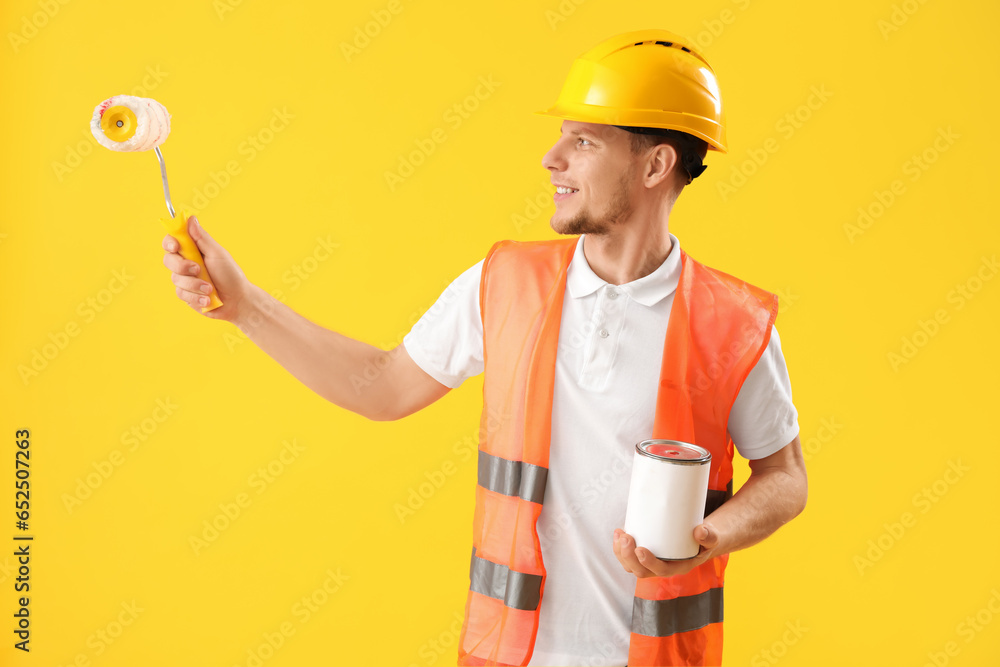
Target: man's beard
(618, 209)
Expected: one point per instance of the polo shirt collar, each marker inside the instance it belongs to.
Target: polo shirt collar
(648, 290)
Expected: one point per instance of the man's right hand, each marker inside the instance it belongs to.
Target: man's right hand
(233, 287)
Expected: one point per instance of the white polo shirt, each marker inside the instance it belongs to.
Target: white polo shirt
(611, 340)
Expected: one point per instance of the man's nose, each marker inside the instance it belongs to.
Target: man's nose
(553, 159)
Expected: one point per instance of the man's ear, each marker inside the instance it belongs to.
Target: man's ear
(663, 161)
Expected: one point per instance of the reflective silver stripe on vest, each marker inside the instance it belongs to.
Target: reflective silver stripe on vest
(512, 478)
(517, 589)
(715, 499)
(662, 618)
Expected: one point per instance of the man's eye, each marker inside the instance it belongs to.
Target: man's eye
(587, 140)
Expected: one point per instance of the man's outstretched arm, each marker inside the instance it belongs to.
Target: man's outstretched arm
(377, 384)
(774, 494)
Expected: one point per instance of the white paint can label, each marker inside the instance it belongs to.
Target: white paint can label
(666, 498)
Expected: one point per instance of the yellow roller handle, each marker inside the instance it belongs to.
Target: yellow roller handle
(177, 227)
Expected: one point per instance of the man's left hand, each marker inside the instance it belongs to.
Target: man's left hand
(642, 563)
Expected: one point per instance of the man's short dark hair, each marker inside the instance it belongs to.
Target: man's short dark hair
(692, 149)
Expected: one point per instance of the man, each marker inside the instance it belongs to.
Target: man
(589, 345)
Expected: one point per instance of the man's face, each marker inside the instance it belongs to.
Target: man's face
(596, 161)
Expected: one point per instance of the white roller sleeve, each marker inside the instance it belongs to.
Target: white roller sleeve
(152, 123)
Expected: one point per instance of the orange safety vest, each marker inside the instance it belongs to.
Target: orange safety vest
(718, 327)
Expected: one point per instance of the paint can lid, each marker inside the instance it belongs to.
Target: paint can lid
(674, 451)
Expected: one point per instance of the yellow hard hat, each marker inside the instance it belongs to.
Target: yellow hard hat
(645, 78)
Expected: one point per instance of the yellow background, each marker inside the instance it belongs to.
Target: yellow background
(894, 75)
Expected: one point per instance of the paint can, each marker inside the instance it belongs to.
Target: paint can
(666, 498)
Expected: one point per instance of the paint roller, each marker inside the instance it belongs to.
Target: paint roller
(126, 124)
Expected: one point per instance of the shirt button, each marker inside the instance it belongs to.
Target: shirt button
(604, 333)
(612, 294)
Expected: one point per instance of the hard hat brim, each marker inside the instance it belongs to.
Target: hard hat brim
(637, 118)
